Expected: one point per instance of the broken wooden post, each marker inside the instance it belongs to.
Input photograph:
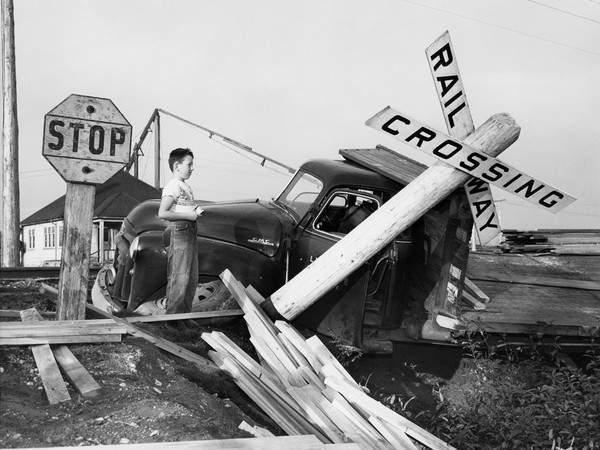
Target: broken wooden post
(395, 216)
(87, 140)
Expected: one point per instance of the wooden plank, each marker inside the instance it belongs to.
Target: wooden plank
(60, 328)
(342, 421)
(316, 415)
(161, 343)
(299, 342)
(381, 159)
(326, 358)
(186, 316)
(255, 430)
(245, 301)
(474, 290)
(521, 308)
(398, 440)
(367, 403)
(538, 281)
(286, 421)
(54, 385)
(55, 340)
(263, 332)
(269, 400)
(223, 344)
(299, 442)
(476, 304)
(363, 427)
(79, 377)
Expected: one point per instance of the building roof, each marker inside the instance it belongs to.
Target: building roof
(114, 199)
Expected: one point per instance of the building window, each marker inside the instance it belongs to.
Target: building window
(49, 237)
(60, 236)
(31, 238)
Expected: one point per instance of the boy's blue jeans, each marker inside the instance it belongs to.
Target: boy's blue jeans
(182, 266)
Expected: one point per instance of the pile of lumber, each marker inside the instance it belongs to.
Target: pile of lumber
(301, 385)
(554, 241)
(525, 242)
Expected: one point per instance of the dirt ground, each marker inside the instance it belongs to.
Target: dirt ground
(148, 395)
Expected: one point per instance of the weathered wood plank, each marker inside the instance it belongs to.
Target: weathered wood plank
(186, 316)
(53, 382)
(474, 290)
(476, 304)
(301, 442)
(523, 308)
(60, 328)
(56, 340)
(538, 281)
(79, 377)
(371, 405)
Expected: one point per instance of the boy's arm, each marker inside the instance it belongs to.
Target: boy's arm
(164, 211)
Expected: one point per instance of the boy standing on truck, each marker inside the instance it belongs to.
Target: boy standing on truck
(178, 207)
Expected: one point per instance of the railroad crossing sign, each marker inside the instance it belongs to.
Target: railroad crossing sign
(86, 139)
(450, 149)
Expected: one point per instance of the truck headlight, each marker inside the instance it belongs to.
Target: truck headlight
(134, 247)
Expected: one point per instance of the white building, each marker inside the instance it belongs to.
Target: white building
(42, 232)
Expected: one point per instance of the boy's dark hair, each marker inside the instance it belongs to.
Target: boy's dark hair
(177, 155)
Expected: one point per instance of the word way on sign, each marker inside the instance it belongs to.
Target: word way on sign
(469, 160)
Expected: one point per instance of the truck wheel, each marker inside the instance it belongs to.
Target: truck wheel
(213, 296)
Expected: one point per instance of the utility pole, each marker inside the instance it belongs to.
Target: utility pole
(10, 141)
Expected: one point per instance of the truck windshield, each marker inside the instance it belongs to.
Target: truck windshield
(301, 193)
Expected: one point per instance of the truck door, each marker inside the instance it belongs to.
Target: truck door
(340, 312)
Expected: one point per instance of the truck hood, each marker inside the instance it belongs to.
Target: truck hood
(252, 224)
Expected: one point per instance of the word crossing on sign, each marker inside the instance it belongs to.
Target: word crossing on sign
(457, 114)
(469, 160)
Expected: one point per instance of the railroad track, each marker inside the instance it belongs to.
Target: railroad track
(23, 273)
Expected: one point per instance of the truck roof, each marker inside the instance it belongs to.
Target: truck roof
(348, 173)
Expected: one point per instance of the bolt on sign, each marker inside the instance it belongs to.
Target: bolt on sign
(86, 139)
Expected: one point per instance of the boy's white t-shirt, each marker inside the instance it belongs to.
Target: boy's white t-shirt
(181, 193)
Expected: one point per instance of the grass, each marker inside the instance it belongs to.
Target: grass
(516, 399)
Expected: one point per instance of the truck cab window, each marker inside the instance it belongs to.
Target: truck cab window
(344, 211)
(300, 194)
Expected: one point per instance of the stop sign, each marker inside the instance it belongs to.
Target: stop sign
(86, 139)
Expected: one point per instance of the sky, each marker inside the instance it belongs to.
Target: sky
(296, 80)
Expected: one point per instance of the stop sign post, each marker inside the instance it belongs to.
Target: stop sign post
(87, 140)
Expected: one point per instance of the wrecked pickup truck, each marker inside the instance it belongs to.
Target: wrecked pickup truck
(406, 292)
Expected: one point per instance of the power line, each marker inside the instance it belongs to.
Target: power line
(563, 11)
(502, 28)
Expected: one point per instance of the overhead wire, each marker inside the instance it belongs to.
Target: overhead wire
(563, 11)
(503, 28)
